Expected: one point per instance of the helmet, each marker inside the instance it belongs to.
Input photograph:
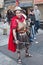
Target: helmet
(17, 8)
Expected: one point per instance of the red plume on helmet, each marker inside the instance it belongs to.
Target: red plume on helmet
(17, 2)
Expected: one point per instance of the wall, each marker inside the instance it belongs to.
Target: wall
(41, 10)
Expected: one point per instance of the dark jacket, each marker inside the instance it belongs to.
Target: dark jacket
(32, 17)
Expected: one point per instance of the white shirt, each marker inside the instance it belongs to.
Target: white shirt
(37, 15)
(24, 16)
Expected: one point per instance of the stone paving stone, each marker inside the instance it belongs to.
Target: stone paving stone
(36, 50)
(4, 60)
(3, 40)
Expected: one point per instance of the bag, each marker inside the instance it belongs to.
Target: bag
(28, 31)
(28, 27)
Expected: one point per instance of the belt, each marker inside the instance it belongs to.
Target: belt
(19, 31)
(22, 33)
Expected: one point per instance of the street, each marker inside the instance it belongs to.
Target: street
(9, 58)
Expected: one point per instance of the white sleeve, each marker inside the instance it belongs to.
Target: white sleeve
(24, 16)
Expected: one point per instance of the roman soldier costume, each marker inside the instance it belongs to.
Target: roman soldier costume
(18, 24)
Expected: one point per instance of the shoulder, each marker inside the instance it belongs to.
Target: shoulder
(13, 18)
(24, 16)
(38, 11)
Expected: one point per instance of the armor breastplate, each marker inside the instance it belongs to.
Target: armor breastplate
(21, 26)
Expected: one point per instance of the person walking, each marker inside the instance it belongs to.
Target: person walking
(32, 24)
(37, 17)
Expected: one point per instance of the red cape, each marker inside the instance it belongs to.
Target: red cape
(11, 43)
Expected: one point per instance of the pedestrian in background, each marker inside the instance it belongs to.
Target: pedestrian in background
(37, 17)
(5, 26)
(32, 24)
(0, 17)
(10, 14)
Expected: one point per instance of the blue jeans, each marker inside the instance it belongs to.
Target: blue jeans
(32, 34)
(37, 26)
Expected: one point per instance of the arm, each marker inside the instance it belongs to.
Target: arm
(15, 37)
(39, 14)
(14, 34)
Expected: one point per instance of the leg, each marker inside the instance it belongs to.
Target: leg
(33, 31)
(31, 34)
(38, 25)
(26, 50)
(4, 31)
(18, 53)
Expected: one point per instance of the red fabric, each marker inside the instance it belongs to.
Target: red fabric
(21, 19)
(11, 43)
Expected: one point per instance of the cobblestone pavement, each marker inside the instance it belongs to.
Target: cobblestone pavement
(5, 60)
(36, 50)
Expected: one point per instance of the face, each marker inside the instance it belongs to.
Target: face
(35, 7)
(18, 14)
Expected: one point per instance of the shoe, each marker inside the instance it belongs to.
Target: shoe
(36, 42)
(19, 61)
(28, 55)
(31, 40)
(34, 38)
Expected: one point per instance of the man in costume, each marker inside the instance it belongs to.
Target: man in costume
(18, 34)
